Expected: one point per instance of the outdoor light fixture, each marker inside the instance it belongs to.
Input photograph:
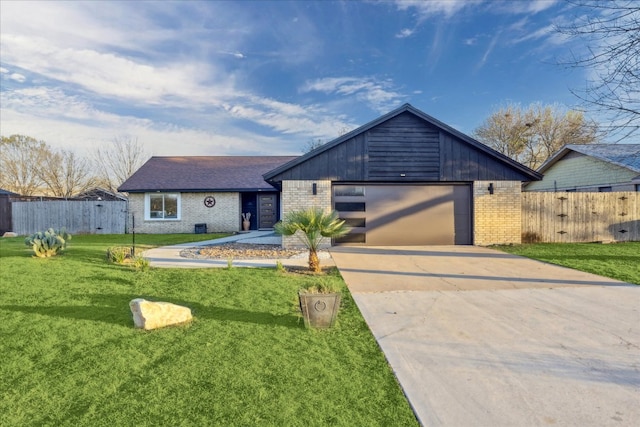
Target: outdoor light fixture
(490, 188)
(314, 188)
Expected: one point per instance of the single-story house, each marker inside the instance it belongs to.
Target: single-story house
(402, 179)
(173, 194)
(595, 168)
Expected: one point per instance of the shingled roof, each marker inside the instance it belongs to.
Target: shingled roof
(623, 155)
(203, 173)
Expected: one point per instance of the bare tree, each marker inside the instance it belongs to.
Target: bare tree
(610, 30)
(66, 174)
(20, 158)
(312, 144)
(530, 136)
(118, 161)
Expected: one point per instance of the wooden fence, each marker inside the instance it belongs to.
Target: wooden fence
(580, 217)
(78, 217)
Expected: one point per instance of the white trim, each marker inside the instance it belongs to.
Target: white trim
(147, 206)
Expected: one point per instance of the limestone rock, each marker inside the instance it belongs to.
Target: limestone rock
(10, 234)
(157, 314)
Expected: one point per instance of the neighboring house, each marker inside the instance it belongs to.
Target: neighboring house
(596, 168)
(99, 194)
(173, 194)
(402, 179)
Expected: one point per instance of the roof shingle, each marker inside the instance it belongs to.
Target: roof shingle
(204, 173)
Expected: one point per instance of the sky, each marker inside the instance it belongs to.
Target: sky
(269, 77)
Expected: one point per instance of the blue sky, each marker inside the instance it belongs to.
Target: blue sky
(245, 78)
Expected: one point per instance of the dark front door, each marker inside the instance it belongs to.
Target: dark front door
(267, 211)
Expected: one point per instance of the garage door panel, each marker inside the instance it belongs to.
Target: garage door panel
(411, 215)
(407, 215)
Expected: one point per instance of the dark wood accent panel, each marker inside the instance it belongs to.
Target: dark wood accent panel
(403, 148)
(463, 162)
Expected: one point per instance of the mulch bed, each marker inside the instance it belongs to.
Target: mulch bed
(242, 251)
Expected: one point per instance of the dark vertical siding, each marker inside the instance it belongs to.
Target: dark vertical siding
(404, 144)
(463, 162)
(404, 148)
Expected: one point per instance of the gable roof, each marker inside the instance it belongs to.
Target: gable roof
(623, 155)
(203, 173)
(527, 173)
(7, 192)
(99, 193)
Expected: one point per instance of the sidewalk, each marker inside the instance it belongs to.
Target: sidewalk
(169, 256)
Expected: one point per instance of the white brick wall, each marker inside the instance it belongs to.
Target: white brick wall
(298, 195)
(497, 216)
(224, 216)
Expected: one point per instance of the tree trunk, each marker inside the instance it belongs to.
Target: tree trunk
(314, 262)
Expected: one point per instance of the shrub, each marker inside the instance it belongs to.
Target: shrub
(141, 263)
(48, 243)
(118, 254)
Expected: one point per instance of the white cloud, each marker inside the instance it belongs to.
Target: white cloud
(447, 8)
(377, 94)
(17, 77)
(3, 70)
(404, 33)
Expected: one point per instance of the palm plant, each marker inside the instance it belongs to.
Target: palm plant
(314, 225)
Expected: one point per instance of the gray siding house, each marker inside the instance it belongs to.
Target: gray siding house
(402, 179)
(595, 168)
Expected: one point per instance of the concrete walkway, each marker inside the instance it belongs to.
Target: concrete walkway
(477, 337)
(169, 256)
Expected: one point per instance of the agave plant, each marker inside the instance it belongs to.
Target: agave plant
(48, 243)
(314, 225)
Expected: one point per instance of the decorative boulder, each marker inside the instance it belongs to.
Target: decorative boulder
(10, 234)
(156, 314)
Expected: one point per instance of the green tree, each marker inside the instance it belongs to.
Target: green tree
(532, 135)
(312, 226)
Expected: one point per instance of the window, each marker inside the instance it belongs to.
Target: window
(604, 189)
(348, 190)
(159, 206)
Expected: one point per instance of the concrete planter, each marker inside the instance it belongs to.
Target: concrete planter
(319, 310)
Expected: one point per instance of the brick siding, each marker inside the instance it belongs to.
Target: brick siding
(497, 216)
(223, 217)
(298, 195)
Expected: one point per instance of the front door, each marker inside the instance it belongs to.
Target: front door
(267, 210)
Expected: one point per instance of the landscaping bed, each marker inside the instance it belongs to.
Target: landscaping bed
(71, 356)
(242, 251)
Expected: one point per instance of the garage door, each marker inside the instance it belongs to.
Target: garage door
(404, 215)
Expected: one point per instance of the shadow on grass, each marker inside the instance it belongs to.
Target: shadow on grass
(114, 309)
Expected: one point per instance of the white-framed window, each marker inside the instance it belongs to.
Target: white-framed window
(162, 206)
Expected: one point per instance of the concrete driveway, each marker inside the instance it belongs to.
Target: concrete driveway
(477, 337)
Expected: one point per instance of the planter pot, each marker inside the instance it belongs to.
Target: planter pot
(246, 225)
(319, 310)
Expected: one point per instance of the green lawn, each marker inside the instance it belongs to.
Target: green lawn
(71, 357)
(617, 260)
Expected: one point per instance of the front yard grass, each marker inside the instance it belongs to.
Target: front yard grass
(619, 261)
(71, 357)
